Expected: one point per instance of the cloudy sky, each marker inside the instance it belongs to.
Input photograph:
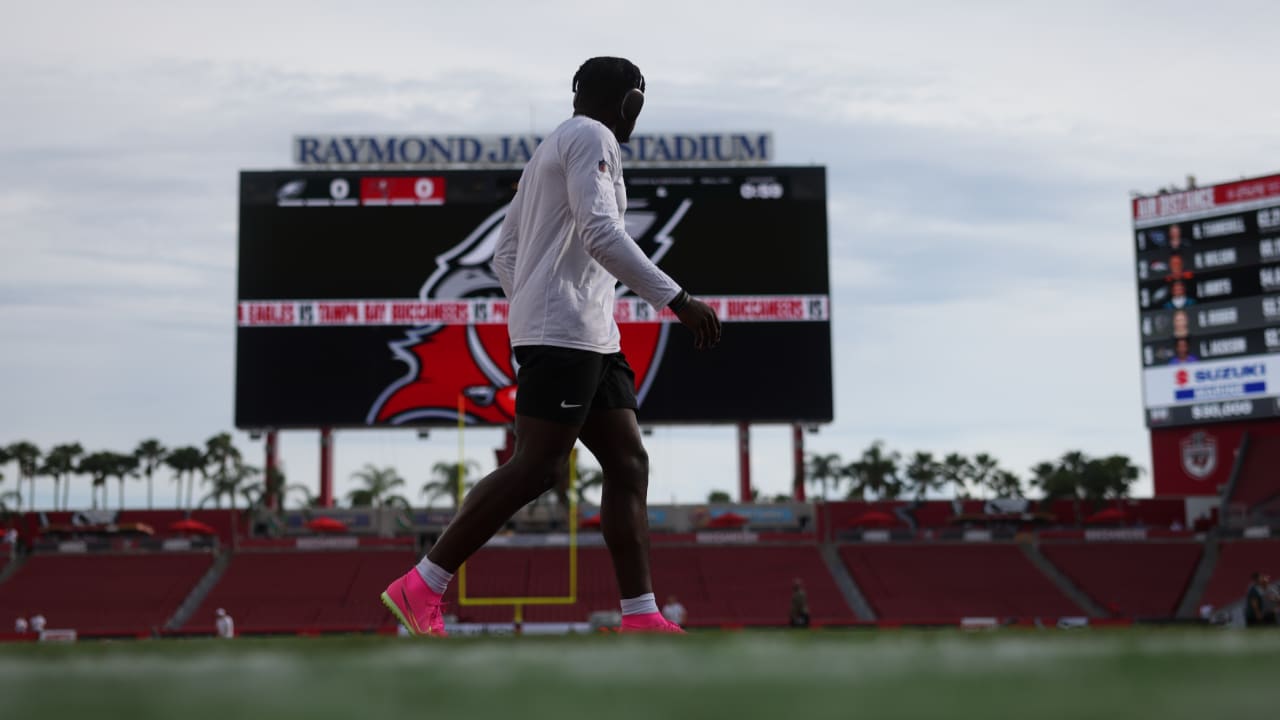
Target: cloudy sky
(980, 158)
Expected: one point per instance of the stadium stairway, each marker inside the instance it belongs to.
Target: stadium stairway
(848, 586)
(197, 595)
(1189, 607)
(8, 569)
(1060, 579)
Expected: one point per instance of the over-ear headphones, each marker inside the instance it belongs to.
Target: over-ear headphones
(632, 104)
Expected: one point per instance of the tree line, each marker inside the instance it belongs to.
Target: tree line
(380, 487)
(217, 464)
(880, 474)
(876, 474)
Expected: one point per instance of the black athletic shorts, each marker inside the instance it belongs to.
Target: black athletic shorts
(564, 385)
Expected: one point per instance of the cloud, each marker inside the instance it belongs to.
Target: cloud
(979, 162)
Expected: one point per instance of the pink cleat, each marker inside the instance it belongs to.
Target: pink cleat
(648, 623)
(415, 605)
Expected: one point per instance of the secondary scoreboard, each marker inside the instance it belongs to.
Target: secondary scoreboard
(1208, 272)
(365, 297)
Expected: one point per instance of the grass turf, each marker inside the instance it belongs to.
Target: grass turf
(1136, 673)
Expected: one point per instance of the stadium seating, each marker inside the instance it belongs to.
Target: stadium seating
(1128, 579)
(1237, 561)
(274, 591)
(718, 585)
(944, 582)
(748, 585)
(1257, 481)
(103, 593)
(540, 572)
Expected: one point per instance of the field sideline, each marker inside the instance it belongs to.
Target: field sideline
(941, 674)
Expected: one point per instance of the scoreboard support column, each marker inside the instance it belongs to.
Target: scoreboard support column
(744, 462)
(326, 467)
(270, 467)
(797, 456)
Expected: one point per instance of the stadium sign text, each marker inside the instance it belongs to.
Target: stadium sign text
(507, 150)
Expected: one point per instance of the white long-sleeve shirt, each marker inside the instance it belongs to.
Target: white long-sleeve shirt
(563, 245)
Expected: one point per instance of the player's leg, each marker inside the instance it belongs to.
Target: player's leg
(556, 387)
(541, 458)
(612, 434)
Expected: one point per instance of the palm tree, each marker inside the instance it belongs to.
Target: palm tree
(60, 463)
(983, 471)
(1064, 479)
(150, 454)
(5, 457)
(1005, 484)
(956, 471)
(876, 473)
(222, 459)
(450, 481)
(823, 469)
(308, 497)
(27, 455)
(229, 485)
(10, 502)
(924, 474)
(185, 461)
(378, 483)
(98, 466)
(1109, 478)
(123, 466)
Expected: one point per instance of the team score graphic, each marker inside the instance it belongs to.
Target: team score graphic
(394, 305)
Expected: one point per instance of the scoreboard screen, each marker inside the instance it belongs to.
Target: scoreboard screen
(365, 298)
(1208, 269)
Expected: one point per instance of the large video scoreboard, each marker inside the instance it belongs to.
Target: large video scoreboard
(1208, 270)
(366, 297)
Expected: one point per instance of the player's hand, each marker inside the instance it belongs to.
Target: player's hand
(701, 319)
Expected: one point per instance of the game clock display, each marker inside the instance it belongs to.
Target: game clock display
(366, 298)
(1208, 281)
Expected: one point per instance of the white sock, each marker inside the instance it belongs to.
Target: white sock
(640, 605)
(434, 575)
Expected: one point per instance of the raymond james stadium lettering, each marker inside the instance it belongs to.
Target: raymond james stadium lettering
(752, 148)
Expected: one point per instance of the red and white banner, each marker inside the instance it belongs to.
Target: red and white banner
(413, 313)
(1242, 195)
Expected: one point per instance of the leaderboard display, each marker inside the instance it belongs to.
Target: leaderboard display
(365, 298)
(1208, 272)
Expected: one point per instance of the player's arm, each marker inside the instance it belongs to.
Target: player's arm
(589, 165)
(504, 255)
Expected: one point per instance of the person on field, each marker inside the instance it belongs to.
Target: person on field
(675, 612)
(224, 624)
(799, 616)
(1259, 602)
(561, 252)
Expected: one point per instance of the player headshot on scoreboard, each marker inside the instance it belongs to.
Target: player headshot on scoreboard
(1178, 296)
(1182, 352)
(1175, 238)
(1181, 324)
(1177, 269)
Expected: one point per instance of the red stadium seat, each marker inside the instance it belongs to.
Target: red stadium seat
(1137, 579)
(946, 582)
(1237, 561)
(103, 593)
(289, 591)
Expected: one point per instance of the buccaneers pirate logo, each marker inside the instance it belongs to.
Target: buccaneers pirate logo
(475, 362)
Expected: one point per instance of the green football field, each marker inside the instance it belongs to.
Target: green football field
(1131, 673)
